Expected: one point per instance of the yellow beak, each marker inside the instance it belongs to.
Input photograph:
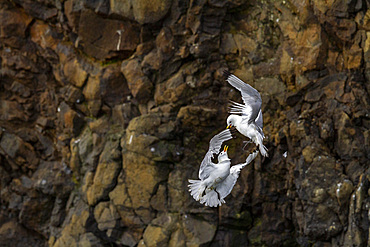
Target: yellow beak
(229, 126)
(225, 148)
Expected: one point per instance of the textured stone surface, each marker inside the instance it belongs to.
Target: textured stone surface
(140, 86)
(107, 107)
(142, 11)
(14, 25)
(105, 38)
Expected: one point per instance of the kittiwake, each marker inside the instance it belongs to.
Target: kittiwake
(247, 117)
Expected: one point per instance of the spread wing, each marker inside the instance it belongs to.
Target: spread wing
(215, 143)
(225, 187)
(251, 98)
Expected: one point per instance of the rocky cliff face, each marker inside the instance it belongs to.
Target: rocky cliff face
(107, 107)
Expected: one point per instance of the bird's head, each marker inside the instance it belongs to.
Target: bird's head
(223, 155)
(230, 121)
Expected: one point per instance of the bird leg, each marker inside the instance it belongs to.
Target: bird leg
(246, 143)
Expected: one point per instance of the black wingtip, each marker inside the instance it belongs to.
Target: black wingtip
(227, 74)
(233, 132)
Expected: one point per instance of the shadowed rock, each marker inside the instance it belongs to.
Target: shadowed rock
(107, 108)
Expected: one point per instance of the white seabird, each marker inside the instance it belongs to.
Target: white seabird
(216, 180)
(247, 117)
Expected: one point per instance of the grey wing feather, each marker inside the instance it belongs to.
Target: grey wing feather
(214, 148)
(225, 187)
(259, 120)
(251, 97)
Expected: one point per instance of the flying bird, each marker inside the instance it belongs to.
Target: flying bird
(225, 187)
(216, 180)
(247, 117)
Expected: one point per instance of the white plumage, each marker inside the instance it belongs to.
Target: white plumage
(247, 117)
(216, 180)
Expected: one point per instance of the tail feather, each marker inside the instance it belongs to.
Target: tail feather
(211, 199)
(262, 148)
(196, 189)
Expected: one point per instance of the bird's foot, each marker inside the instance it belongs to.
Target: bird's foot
(199, 197)
(246, 143)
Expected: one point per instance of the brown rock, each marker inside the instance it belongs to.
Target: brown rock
(196, 115)
(105, 175)
(122, 8)
(72, 94)
(119, 196)
(153, 60)
(144, 124)
(20, 152)
(99, 127)
(139, 138)
(14, 234)
(301, 82)
(106, 216)
(85, 146)
(92, 89)
(71, 120)
(123, 113)
(146, 215)
(228, 44)
(241, 40)
(155, 236)
(89, 240)
(307, 55)
(197, 231)
(321, 173)
(335, 88)
(39, 10)
(353, 235)
(50, 179)
(142, 11)
(20, 89)
(117, 38)
(44, 35)
(166, 43)
(139, 85)
(177, 239)
(323, 7)
(271, 86)
(131, 238)
(142, 175)
(151, 81)
(113, 87)
(74, 72)
(353, 57)
(36, 211)
(343, 190)
(74, 228)
(14, 23)
(286, 62)
(345, 142)
(141, 144)
(72, 10)
(150, 11)
(173, 90)
(159, 199)
(11, 110)
(314, 95)
(177, 196)
(74, 162)
(94, 107)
